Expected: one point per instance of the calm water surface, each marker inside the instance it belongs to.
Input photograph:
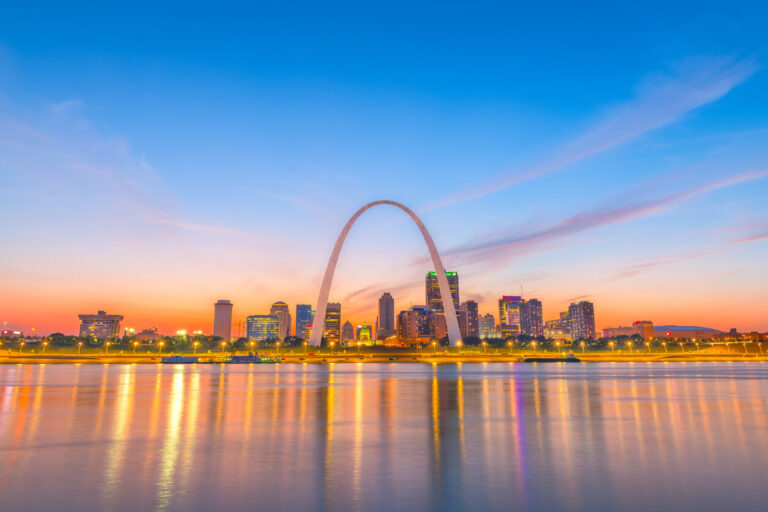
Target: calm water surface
(677, 436)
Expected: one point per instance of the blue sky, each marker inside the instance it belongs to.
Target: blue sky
(184, 153)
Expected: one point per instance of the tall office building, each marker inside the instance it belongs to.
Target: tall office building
(283, 313)
(303, 318)
(487, 326)
(469, 320)
(262, 327)
(434, 301)
(347, 333)
(408, 325)
(386, 322)
(222, 319)
(332, 328)
(531, 320)
(581, 318)
(100, 326)
(509, 314)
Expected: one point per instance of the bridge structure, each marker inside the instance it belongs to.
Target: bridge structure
(318, 323)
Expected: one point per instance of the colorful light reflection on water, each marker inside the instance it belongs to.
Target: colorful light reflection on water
(683, 436)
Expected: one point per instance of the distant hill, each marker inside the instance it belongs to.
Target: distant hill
(660, 329)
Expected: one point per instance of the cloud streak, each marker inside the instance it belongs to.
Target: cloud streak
(659, 101)
(536, 240)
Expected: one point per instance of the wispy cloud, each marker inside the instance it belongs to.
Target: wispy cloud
(660, 100)
(611, 214)
(640, 267)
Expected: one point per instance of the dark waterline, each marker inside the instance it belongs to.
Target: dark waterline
(496, 436)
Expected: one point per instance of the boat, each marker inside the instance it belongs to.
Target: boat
(570, 358)
(252, 359)
(178, 360)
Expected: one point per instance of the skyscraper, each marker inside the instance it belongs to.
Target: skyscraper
(303, 318)
(509, 313)
(283, 313)
(581, 318)
(487, 326)
(222, 319)
(469, 318)
(347, 333)
(262, 327)
(434, 301)
(332, 328)
(531, 319)
(386, 316)
(100, 326)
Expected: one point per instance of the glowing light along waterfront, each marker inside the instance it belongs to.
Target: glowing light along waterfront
(454, 335)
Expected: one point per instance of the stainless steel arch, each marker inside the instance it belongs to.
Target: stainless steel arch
(318, 322)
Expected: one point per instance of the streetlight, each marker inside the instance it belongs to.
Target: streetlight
(79, 346)
(682, 346)
(612, 347)
(358, 347)
(332, 344)
(509, 344)
(160, 349)
(557, 344)
(458, 344)
(223, 345)
(278, 348)
(106, 348)
(649, 346)
(665, 346)
(305, 347)
(21, 345)
(434, 347)
(45, 344)
(534, 345)
(484, 347)
(629, 345)
(253, 344)
(135, 344)
(194, 348)
(582, 347)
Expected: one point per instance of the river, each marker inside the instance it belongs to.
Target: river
(385, 437)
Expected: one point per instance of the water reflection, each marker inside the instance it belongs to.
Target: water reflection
(383, 437)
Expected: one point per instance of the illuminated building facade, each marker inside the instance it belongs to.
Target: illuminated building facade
(468, 319)
(581, 319)
(347, 333)
(262, 327)
(509, 314)
(222, 319)
(531, 319)
(434, 301)
(386, 321)
(303, 319)
(283, 313)
(487, 326)
(332, 327)
(149, 335)
(100, 326)
(364, 332)
(645, 329)
(558, 330)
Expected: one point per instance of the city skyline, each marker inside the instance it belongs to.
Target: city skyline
(151, 179)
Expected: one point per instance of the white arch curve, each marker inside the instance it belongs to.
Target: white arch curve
(318, 322)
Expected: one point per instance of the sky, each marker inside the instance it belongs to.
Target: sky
(156, 157)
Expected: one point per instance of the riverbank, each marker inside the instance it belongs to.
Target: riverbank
(415, 357)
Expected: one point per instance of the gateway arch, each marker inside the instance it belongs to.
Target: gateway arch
(318, 323)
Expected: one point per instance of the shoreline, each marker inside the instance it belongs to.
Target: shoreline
(387, 358)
